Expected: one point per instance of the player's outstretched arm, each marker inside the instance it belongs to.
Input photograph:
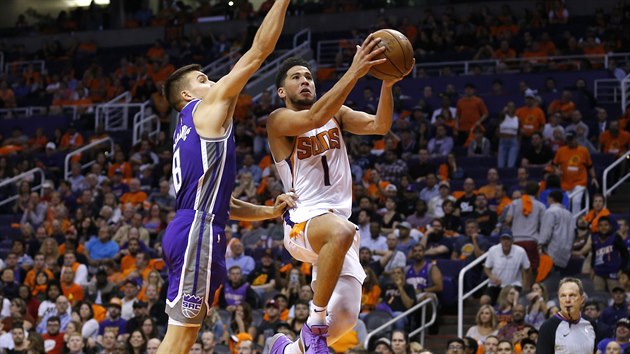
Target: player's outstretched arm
(362, 123)
(230, 86)
(286, 122)
(244, 211)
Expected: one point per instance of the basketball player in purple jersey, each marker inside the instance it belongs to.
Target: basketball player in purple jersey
(308, 149)
(204, 171)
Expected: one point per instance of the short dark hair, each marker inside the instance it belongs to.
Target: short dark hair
(532, 188)
(456, 340)
(556, 195)
(173, 85)
(286, 65)
(53, 319)
(526, 341)
(604, 218)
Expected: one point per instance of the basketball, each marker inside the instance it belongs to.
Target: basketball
(399, 54)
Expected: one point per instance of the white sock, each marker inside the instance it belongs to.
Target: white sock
(317, 316)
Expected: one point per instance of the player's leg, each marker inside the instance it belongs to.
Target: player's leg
(344, 307)
(330, 236)
(178, 339)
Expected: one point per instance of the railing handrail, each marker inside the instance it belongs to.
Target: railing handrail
(607, 191)
(84, 148)
(460, 292)
(586, 205)
(430, 300)
(114, 101)
(221, 62)
(19, 177)
(305, 32)
(625, 87)
(22, 62)
(137, 125)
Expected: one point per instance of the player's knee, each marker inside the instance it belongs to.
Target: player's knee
(343, 237)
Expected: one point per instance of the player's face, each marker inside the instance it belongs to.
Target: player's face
(198, 85)
(298, 88)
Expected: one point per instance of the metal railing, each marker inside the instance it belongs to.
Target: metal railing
(142, 124)
(21, 112)
(431, 300)
(14, 66)
(625, 92)
(264, 76)
(114, 115)
(222, 65)
(21, 176)
(583, 193)
(1, 62)
(77, 152)
(607, 91)
(460, 292)
(607, 191)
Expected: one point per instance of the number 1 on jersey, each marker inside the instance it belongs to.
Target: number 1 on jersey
(326, 172)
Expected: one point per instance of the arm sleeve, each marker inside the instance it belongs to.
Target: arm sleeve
(547, 337)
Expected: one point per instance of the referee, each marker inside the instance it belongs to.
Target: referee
(567, 332)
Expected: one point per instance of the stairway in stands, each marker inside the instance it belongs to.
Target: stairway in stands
(448, 326)
(619, 202)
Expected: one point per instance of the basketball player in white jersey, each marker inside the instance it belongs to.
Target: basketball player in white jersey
(308, 148)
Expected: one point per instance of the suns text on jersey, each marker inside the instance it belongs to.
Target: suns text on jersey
(314, 145)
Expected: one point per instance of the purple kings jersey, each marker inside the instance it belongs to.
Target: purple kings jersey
(204, 170)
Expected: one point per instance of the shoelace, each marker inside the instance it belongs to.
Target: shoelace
(319, 343)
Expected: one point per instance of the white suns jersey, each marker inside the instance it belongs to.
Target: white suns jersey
(318, 171)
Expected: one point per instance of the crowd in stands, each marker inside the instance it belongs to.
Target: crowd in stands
(84, 272)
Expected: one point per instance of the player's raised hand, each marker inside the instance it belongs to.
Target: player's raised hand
(364, 57)
(391, 82)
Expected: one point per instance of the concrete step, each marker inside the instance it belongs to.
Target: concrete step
(437, 343)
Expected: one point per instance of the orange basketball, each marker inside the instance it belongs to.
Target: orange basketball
(399, 54)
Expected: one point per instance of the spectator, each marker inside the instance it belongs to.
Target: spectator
(425, 277)
(552, 183)
(465, 205)
(100, 250)
(80, 270)
(479, 146)
(390, 216)
(239, 258)
(609, 256)
(531, 117)
(576, 122)
(471, 112)
(163, 198)
(271, 318)
(525, 217)
(592, 311)
(599, 210)
(136, 196)
(485, 325)
(236, 291)
(130, 292)
(100, 290)
(435, 204)
(61, 312)
(601, 125)
(557, 231)
(392, 168)
(441, 144)
(71, 290)
(113, 323)
(618, 308)
(504, 264)
(431, 189)
(514, 330)
(486, 218)
(71, 139)
(450, 170)
(445, 105)
(614, 141)
(400, 341)
(538, 154)
(489, 190)
(621, 337)
(565, 106)
(451, 222)
(398, 259)
(435, 243)
(398, 296)
(420, 218)
(455, 346)
(263, 278)
(552, 125)
(421, 167)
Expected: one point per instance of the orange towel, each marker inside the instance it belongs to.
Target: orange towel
(527, 204)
